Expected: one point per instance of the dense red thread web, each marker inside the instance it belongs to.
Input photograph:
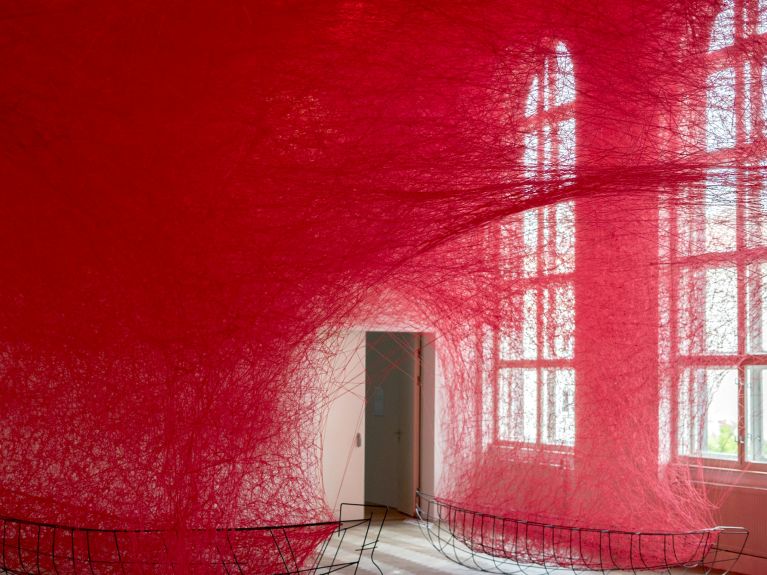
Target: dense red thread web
(196, 198)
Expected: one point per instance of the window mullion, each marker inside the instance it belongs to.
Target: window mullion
(741, 130)
(741, 184)
(673, 311)
(740, 229)
(545, 94)
(540, 321)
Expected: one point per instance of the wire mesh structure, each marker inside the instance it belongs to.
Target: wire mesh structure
(506, 545)
(310, 548)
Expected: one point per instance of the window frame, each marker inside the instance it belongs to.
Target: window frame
(745, 52)
(546, 120)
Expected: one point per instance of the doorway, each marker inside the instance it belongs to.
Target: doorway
(393, 378)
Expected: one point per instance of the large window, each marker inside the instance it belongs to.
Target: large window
(534, 346)
(717, 294)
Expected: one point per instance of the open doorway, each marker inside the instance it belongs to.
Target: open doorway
(358, 459)
(393, 377)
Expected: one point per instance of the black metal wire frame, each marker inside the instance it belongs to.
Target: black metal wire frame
(33, 548)
(496, 544)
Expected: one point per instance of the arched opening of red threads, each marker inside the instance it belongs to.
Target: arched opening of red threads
(569, 195)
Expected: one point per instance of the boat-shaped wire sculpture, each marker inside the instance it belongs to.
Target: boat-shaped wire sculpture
(496, 544)
(33, 548)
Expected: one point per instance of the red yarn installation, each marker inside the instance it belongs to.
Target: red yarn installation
(197, 197)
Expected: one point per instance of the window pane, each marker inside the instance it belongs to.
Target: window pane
(756, 215)
(690, 317)
(518, 245)
(747, 115)
(664, 417)
(708, 311)
(531, 105)
(489, 385)
(530, 158)
(517, 405)
(721, 423)
(547, 160)
(559, 407)
(756, 309)
(690, 410)
(721, 310)
(761, 19)
(764, 93)
(530, 328)
(708, 224)
(723, 31)
(720, 110)
(720, 211)
(708, 413)
(559, 238)
(564, 243)
(691, 232)
(559, 321)
(510, 331)
(566, 134)
(756, 409)
(503, 417)
(530, 239)
(518, 333)
(564, 81)
(509, 240)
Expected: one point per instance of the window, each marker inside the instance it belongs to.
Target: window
(716, 294)
(534, 346)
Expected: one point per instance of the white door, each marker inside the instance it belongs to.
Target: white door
(343, 457)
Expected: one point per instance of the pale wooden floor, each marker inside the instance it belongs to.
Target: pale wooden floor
(403, 550)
